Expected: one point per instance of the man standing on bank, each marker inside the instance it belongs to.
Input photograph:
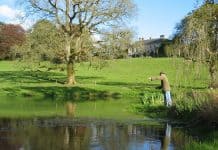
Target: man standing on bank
(165, 88)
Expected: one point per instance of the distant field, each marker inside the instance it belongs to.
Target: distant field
(127, 76)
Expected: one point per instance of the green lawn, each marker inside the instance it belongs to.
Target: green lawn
(107, 92)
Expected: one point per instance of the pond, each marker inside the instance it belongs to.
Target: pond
(39, 124)
(65, 133)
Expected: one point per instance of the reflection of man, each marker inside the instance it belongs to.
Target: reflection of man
(165, 142)
(66, 137)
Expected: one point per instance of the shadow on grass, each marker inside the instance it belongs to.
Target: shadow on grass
(51, 92)
(30, 76)
(39, 77)
(137, 86)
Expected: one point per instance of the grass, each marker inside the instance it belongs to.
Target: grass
(195, 139)
(203, 145)
(109, 92)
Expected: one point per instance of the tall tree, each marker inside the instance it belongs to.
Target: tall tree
(117, 43)
(10, 35)
(197, 37)
(79, 17)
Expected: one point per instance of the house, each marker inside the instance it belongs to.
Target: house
(149, 47)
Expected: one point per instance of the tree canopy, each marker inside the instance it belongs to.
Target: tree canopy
(116, 43)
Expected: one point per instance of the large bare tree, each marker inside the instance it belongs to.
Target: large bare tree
(76, 18)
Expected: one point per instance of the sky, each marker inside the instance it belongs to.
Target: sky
(157, 17)
(153, 17)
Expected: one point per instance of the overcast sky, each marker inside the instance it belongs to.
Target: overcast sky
(154, 17)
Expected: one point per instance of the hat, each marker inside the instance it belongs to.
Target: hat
(162, 72)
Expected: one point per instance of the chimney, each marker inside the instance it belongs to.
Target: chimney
(162, 36)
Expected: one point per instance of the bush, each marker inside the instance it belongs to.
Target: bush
(150, 99)
(199, 106)
(152, 104)
(209, 111)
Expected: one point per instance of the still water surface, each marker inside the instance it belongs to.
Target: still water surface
(85, 134)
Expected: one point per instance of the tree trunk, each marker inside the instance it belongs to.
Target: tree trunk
(70, 63)
(70, 73)
(213, 79)
(212, 70)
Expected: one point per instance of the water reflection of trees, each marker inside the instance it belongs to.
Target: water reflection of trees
(75, 135)
(115, 136)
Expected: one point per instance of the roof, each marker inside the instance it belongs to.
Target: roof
(153, 41)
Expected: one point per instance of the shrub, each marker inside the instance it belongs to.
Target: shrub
(209, 111)
(150, 99)
(199, 106)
